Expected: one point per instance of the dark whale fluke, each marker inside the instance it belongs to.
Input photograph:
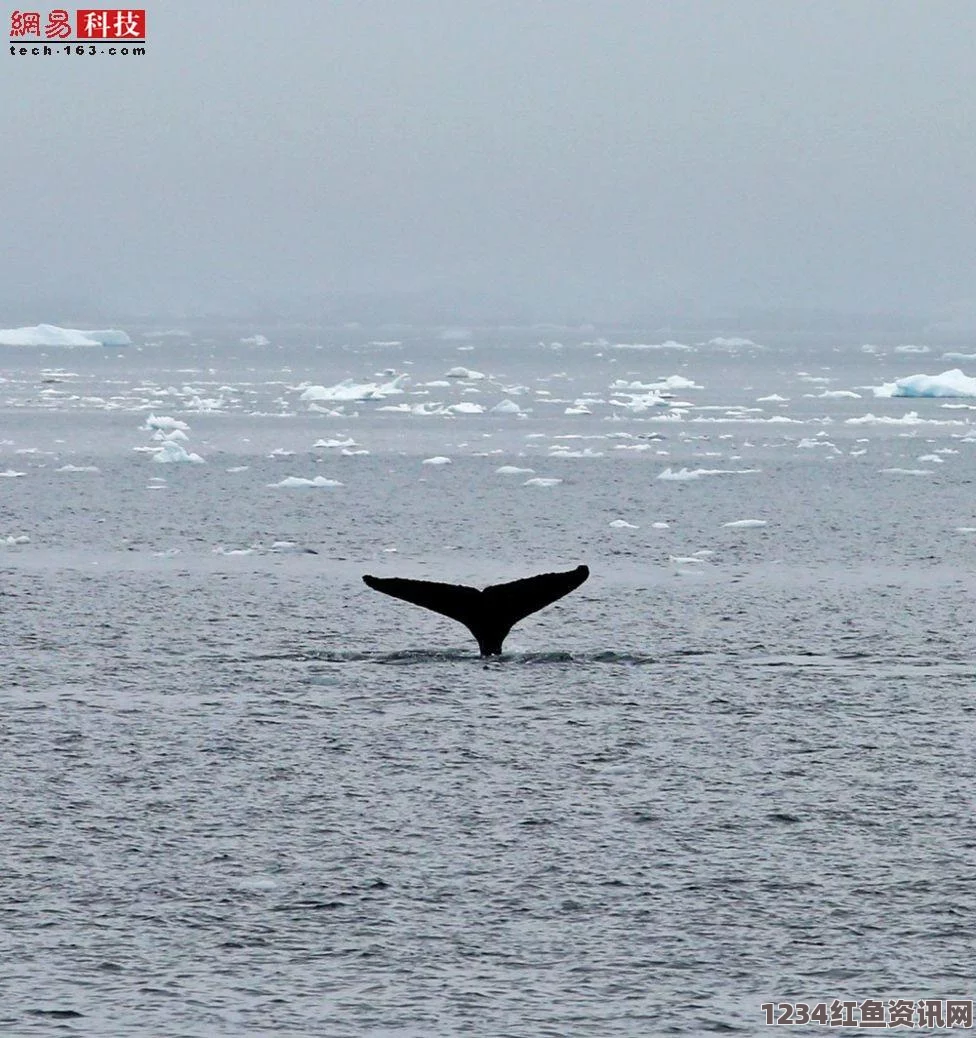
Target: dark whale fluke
(490, 614)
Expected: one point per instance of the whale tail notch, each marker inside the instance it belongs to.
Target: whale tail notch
(489, 614)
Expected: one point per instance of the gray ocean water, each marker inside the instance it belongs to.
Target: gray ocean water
(241, 794)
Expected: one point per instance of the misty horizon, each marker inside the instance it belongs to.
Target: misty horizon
(433, 163)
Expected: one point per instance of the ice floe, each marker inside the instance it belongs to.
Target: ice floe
(348, 389)
(669, 345)
(513, 470)
(52, 335)
(507, 407)
(439, 460)
(347, 442)
(11, 474)
(541, 481)
(173, 453)
(163, 423)
(300, 481)
(909, 418)
(951, 383)
(622, 524)
(684, 474)
(78, 468)
(466, 373)
(745, 524)
(10, 540)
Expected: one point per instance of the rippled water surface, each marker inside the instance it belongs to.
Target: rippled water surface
(242, 794)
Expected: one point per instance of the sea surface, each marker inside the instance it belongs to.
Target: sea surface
(243, 795)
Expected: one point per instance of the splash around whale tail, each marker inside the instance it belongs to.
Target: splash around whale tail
(489, 614)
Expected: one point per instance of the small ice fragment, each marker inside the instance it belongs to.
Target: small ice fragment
(300, 481)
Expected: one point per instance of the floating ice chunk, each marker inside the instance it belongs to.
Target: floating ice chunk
(578, 409)
(686, 474)
(347, 453)
(773, 398)
(838, 394)
(958, 356)
(163, 422)
(669, 345)
(299, 481)
(949, 384)
(622, 524)
(744, 524)
(932, 458)
(966, 529)
(350, 390)
(291, 548)
(10, 540)
(280, 452)
(660, 526)
(908, 348)
(78, 468)
(239, 468)
(541, 481)
(221, 550)
(171, 452)
(176, 434)
(11, 474)
(52, 335)
(506, 407)
(466, 407)
(513, 470)
(348, 442)
(908, 472)
(256, 340)
(641, 401)
(439, 460)
(731, 341)
(466, 373)
(910, 418)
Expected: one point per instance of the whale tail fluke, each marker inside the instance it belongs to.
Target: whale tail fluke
(490, 614)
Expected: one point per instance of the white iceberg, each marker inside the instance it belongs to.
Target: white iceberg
(52, 335)
(506, 407)
(436, 461)
(683, 474)
(541, 481)
(513, 470)
(300, 481)
(164, 423)
(347, 390)
(622, 524)
(172, 453)
(466, 373)
(949, 384)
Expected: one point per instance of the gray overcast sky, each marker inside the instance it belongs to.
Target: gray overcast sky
(582, 156)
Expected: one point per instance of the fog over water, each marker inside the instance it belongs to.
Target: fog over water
(467, 291)
(537, 161)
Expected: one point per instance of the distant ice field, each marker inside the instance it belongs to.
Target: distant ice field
(245, 795)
